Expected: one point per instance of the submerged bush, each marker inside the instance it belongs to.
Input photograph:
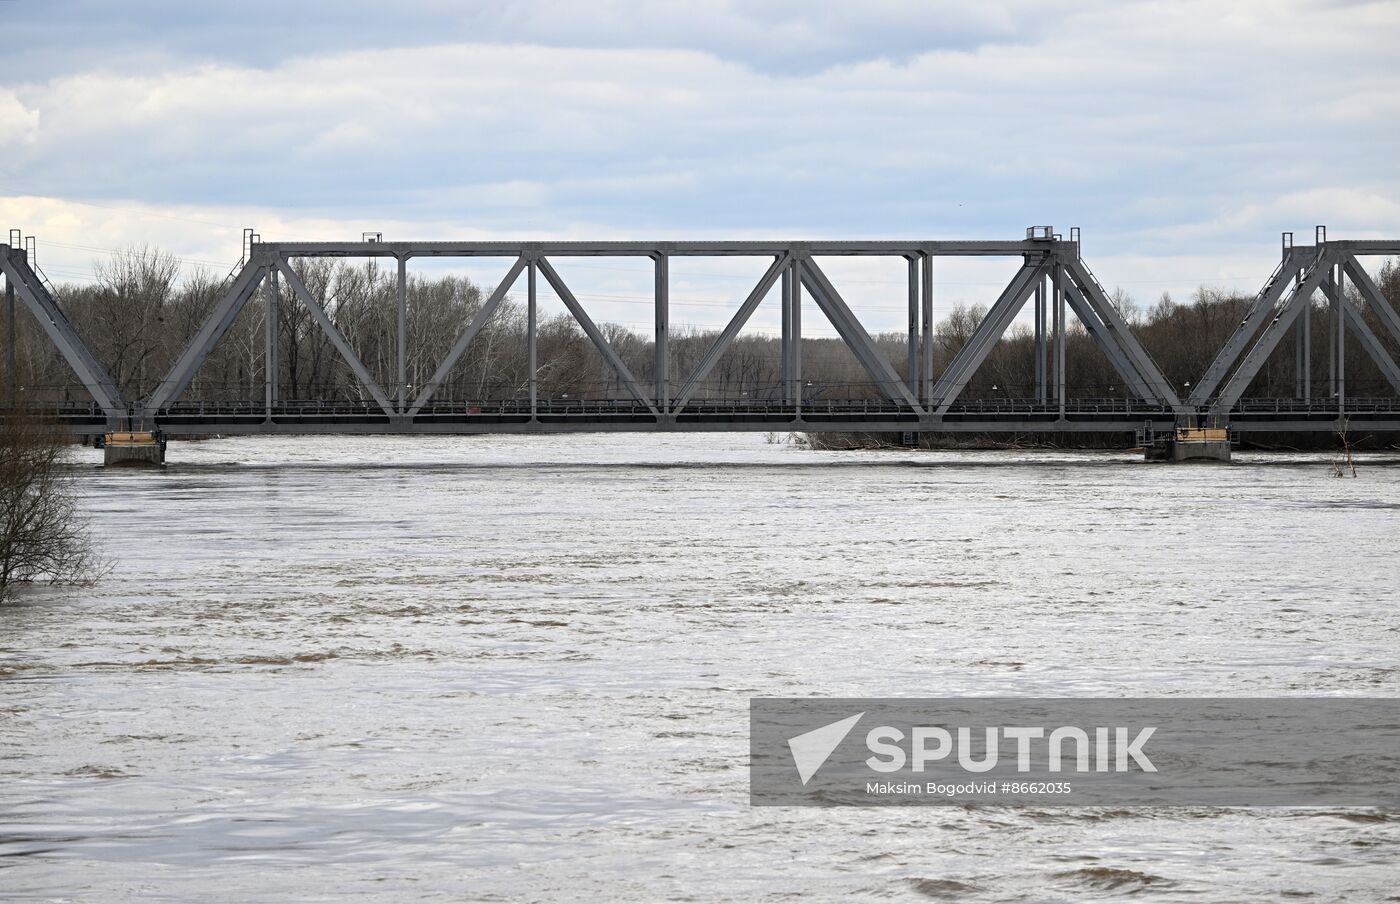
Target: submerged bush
(43, 536)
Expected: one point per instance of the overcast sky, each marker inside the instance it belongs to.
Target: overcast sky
(1182, 137)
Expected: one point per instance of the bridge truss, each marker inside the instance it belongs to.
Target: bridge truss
(1052, 277)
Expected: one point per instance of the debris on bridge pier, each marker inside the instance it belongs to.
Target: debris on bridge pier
(140, 448)
(1191, 444)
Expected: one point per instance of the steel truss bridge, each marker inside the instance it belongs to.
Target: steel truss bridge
(1052, 277)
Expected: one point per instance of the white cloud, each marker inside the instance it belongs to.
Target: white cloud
(1177, 131)
(19, 125)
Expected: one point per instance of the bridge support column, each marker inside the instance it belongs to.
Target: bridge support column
(140, 449)
(1191, 444)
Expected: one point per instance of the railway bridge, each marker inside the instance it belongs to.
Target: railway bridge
(927, 397)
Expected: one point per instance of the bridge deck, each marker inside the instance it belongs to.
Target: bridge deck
(714, 415)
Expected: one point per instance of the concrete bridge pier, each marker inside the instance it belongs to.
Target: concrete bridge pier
(1191, 444)
(133, 449)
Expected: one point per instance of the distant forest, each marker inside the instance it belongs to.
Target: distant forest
(139, 314)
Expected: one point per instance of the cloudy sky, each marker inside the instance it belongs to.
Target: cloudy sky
(1181, 136)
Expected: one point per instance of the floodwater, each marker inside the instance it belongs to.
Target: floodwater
(508, 668)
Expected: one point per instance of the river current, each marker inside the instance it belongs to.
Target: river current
(511, 668)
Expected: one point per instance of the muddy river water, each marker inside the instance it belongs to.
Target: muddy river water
(508, 668)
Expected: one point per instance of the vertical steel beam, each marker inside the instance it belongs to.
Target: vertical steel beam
(532, 335)
(926, 389)
(663, 333)
(403, 334)
(1040, 342)
(1334, 326)
(272, 366)
(1058, 283)
(796, 338)
(912, 366)
(1339, 287)
(785, 345)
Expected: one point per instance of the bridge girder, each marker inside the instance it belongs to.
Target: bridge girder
(926, 402)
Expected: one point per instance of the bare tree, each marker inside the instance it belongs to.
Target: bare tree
(43, 536)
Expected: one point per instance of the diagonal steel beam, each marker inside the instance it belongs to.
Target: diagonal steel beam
(334, 334)
(979, 346)
(1388, 368)
(1373, 295)
(595, 335)
(1106, 342)
(209, 334)
(1269, 339)
(60, 330)
(1259, 311)
(731, 330)
(474, 326)
(855, 337)
(1159, 388)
